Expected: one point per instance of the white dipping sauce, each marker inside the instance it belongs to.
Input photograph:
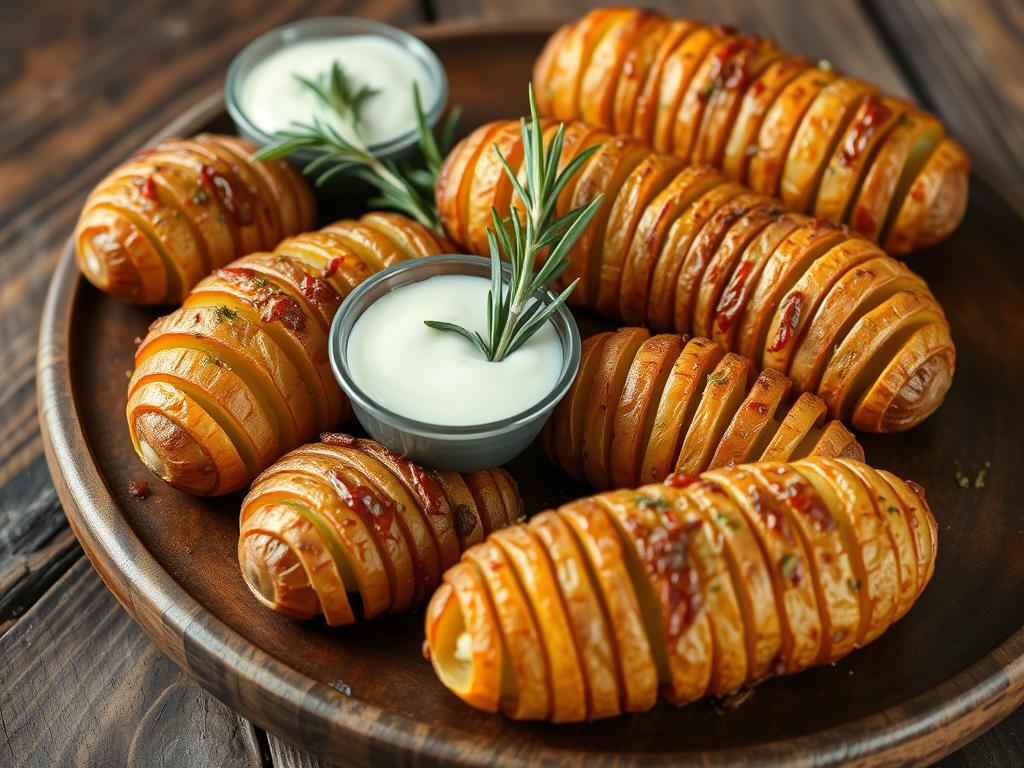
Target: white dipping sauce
(439, 377)
(272, 98)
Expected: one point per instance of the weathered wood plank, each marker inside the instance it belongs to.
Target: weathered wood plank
(816, 29)
(80, 684)
(287, 755)
(966, 60)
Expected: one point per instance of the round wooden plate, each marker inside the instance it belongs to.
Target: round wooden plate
(950, 669)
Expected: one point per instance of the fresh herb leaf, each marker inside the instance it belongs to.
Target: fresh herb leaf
(516, 308)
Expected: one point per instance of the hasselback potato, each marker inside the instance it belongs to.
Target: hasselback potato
(643, 406)
(239, 374)
(166, 218)
(682, 248)
(345, 518)
(825, 143)
(699, 586)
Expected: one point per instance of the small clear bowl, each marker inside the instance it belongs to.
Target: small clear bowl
(403, 147)
(463, 448)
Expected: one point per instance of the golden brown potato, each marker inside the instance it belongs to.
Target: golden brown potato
(683, 248)
(346, 518)
(159, 223)
(772, 120)
(698, 586)
(240, 374)
(650, 405)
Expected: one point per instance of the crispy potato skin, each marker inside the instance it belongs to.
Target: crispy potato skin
(701, 585)
(349, 518)
(767, 118)
(240, 372)
(161, 221)
(686, 249)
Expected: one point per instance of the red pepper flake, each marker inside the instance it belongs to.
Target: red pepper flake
(147, 188)
(419, 479)
(917, 193)
(318, 290)
(239, 208)
(285, 310)
(771, 513)
(917, 488)
(863, 221)
(791, 309)
(139, 489)
(331, 268)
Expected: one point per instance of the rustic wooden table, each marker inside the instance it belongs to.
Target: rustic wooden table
(82, 85)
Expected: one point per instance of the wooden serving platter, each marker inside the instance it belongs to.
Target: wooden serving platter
(952, 668)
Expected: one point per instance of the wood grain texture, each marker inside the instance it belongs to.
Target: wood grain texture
(965, 61)
(82, 685)
(287, 755)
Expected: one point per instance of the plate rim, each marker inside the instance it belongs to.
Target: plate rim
(924, 727)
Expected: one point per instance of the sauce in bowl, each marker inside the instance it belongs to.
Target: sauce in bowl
(439, 377)
(274, 99)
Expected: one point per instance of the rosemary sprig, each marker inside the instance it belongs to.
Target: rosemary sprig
(409, 189)
(514, 313)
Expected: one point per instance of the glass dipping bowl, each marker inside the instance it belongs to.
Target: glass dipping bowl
(403, 147)
(462, 448)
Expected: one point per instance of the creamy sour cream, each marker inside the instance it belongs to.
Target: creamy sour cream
(439, 377)
(272, 98)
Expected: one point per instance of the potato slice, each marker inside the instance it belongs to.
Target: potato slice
(677, 72)
(572, 59)
(921, 524)
(799, 305)
(780, 125)
(717, 69)
(913, 384)
(529, 697)
(586, 614)
(605, 67)
(490, 185)
(455, 178)
(415, 238)
(855, 293)
(725, 389)
(616, 356)
(935, 202)
(816, 137)
(867, 542)
(326, 254)
(566, 423)
(788, 565)
(723, 261)
(637, 65)
(468, 525)
(602, 548)
(792, 258)
(637, 406)
(749, 574)
(805, 415)
(179, 441)
(726, 97)
(488, 501)
(371, 245)
(472, 668)
(891, 511)
(757, 99)
(604, 173)
(754, 423)
(543, 88)
(830, 568)
(648, 101)
(682, 191)
(704, 246)
(537, 579)
(681, 234)
(651, 176)
(677, 406)
(272, 570)
(116, 256)
(852, 156)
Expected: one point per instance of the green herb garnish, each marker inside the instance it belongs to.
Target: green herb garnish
(407, 188)
(514, 310)
(652, 502)
(788, 565)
